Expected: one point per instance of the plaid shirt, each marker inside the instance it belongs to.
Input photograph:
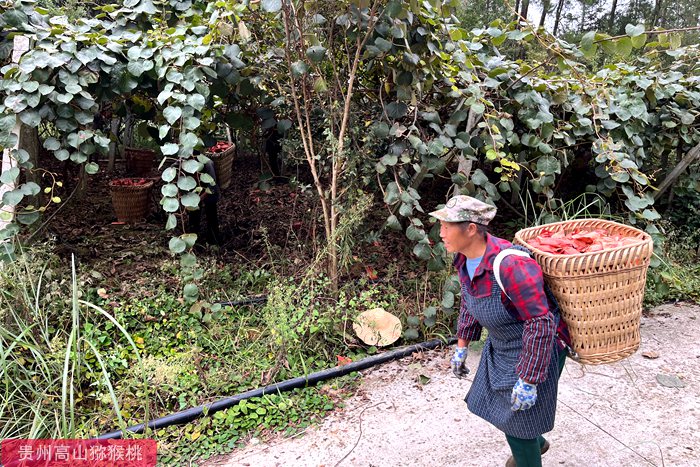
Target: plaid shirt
(522, 278)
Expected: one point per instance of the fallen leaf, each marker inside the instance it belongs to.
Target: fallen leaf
(102, 293)
(650, 355)
(670, 381)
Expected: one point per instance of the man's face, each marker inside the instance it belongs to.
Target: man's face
(455, 236)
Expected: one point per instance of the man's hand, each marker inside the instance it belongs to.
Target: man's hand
(458, 362)
(524, 395)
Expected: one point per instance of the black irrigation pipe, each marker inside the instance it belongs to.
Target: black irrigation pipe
(246, 301)
(193, 413)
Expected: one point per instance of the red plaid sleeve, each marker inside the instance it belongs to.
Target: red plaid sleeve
(522, 279)
(467, 327)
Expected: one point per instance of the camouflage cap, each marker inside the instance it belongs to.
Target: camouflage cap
(465, 209)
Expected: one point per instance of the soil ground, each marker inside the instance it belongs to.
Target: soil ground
(411, 412)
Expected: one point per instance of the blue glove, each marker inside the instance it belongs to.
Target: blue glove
(524, 395)
(458, 362)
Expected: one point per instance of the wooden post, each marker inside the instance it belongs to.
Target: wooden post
(677, 171)
(20, 45)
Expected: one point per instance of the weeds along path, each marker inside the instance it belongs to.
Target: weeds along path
(640, 411)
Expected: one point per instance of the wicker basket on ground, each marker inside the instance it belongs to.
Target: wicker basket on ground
(130, 198)
(223, 164)
(139, 162)
(600, 293)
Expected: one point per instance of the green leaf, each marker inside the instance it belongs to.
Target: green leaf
(16, 18)
(620, 177)
(28, 218)
(190, 123)
(396, 110)
(172, 114)
(650, 215)
(634, 31)
(169, 189)
(186, 183)
(548, 165)
(91, 168)
(639, 41)
(169, 149)
(171, 222)
(380, 129)
(135, 68)
(299, 68)
(190, 200)
(9, 176)
(587, 40)
(189, 140)
(624, 46)
(415, 234)
(177, 245)
(479, 178)
(390, 159)
(188, 260)
(52, 144)
(30, 118)
(171, 204)
(383, 44)
(271, 6)
(12, 198)
(30, 189)
(448, 299)
(423, 251)
(191, 166)
(196, 101)
(191, 292)
(316, 53)
(393, 223)
(169, 174)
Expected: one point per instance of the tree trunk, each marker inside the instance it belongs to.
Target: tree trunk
(557, 17)
(677, 171)
(524, 8)
(611, 20)
(113, 130)
(656, 13)
(545, 9)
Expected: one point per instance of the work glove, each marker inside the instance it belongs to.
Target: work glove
(524, 395)
(458, 362)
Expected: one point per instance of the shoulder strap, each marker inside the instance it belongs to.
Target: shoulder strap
(497, 264)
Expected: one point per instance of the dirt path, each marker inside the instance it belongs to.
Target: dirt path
(621, 414)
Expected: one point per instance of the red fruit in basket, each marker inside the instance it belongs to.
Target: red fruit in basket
(578, 241)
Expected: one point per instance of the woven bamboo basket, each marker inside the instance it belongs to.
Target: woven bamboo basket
(223, 164)
(131, 203)
(139, 162)
(600, 293)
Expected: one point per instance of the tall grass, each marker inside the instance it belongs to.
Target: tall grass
(43, 366)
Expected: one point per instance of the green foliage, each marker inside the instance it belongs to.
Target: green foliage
(54, 374)
(223, 431)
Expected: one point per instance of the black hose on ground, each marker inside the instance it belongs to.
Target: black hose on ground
(188, 415)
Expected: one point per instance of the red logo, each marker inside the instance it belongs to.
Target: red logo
(79, 452)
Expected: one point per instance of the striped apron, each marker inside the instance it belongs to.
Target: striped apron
(489, 395)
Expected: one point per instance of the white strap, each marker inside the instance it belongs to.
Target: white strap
(497, 264)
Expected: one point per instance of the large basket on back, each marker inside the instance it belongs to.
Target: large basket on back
(131, 203)
(223, 165)
(600, 293)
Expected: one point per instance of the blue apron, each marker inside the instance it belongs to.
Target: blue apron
(489, 395)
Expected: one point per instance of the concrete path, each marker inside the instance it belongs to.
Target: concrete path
(620, 414)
